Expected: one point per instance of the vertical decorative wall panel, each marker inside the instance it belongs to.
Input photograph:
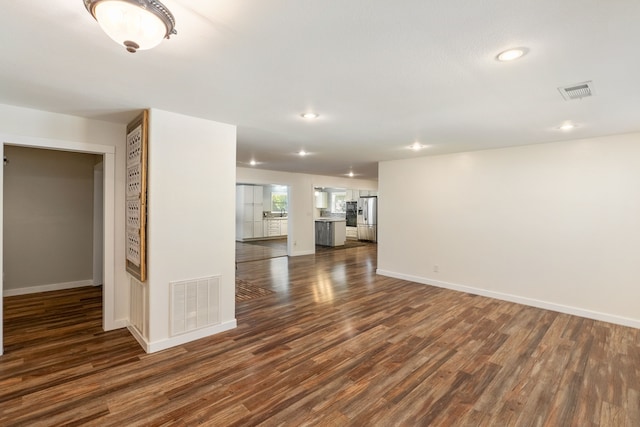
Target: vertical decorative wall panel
(136, 190)
(138, 307)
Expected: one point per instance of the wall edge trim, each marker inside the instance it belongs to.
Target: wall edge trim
(47, 288)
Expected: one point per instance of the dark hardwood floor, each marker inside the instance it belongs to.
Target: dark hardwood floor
(332, 344)
(260, 250)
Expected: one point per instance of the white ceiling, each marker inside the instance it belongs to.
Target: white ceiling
(381, 74)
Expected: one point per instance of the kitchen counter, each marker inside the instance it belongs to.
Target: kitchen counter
(331, 231)
(275, 226)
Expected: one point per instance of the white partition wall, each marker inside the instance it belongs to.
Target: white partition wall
(191, 223)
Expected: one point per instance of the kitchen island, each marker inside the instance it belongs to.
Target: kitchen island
(331, 231)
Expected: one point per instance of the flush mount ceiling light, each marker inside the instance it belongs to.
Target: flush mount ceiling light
(309, 115)
(136, 24)
(511, 54)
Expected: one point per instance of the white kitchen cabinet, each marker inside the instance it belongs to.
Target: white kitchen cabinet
(366, 193)
(258, 195)
(257, 229)
(247, 212)
(246, 230)
(245, 193)
(275, 227)
(257, 212)
(322, 200)
(249, 208)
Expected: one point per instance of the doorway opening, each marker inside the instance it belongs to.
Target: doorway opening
(262, 222)
(103, 168)
(49, 215)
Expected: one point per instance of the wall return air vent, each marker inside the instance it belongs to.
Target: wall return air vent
(577, 91)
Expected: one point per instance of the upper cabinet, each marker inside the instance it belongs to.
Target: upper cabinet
(351, 195)
(322, 199)
(258, 195)
(249, 194)
(368, 193)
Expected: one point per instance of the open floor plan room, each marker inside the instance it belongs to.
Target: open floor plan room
(323, 340)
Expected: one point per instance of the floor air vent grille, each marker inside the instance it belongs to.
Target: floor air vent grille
(195, 304)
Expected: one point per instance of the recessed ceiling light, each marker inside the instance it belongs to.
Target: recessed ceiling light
(567, 126)
(309, 115)
(302, 153)
(351, 174)
(416, 146)
(511, 54)
(253, 163)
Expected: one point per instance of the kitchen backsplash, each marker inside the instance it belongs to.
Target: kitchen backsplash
(269, 214)
(326, 213)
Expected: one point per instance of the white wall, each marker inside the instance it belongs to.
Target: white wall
(191, 215)
(30, 127)
(301, 237)
(551, 225)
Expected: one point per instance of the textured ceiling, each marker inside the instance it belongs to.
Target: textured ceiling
(381, 74)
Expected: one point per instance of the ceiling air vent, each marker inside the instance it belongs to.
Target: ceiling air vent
(577, 91)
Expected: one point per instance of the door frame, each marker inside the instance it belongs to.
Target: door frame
(98, 221)
(108, 153)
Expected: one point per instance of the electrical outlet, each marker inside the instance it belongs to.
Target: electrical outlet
(436, 268)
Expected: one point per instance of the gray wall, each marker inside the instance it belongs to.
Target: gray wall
(48, 217)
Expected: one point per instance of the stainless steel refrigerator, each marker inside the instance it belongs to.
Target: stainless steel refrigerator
(368, 218)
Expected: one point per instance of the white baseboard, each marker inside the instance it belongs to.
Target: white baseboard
(47, 288)
(152, 347)
(143, 342)
(118, 324)
(300, 253)
(575, 311)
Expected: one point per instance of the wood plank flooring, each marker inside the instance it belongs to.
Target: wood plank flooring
(333, 345)
(260, 249)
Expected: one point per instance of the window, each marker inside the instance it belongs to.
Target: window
(279, 202)
(338, 202)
